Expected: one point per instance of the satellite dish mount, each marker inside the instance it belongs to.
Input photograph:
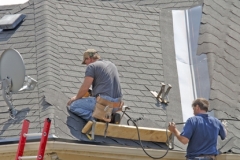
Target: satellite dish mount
(7, 95)
(13, 78)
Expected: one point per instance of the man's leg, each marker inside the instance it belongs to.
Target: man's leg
(83, 107)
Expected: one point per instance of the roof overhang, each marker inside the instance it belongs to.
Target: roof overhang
(66, 150)
(71, 150)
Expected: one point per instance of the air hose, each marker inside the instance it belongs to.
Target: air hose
(133, 121)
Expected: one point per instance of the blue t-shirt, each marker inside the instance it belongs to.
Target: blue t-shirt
(105, 79)
(202, 131)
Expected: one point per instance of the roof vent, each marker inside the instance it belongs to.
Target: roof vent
(11, 21)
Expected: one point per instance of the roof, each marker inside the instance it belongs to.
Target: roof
(219, 39)
(52, 39)
(137, 36)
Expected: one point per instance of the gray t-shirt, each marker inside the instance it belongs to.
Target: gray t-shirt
(105, 79)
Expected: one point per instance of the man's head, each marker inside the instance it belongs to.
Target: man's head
(90, 56)
(200, 105)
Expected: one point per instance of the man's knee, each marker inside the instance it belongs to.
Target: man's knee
(84, 103)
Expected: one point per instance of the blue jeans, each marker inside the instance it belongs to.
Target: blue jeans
(84, 107)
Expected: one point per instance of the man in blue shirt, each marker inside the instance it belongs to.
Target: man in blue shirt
(200, 132)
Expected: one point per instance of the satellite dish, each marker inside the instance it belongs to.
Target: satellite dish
(12, 66)
(13, 78)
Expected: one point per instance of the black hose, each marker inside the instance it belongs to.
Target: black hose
(141, 141)
(221, 119)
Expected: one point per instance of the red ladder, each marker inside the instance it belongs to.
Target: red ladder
(24, 135)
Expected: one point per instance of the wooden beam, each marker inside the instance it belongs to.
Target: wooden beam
(128, 132)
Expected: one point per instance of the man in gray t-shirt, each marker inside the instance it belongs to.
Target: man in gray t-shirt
(104, 78)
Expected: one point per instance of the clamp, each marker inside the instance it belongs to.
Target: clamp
(162, 96)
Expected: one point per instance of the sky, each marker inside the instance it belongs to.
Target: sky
(9, 2)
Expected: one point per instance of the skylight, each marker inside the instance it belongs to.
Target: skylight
(11, 21)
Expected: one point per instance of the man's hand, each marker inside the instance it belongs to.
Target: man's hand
(82, 90)
(71, 100)
(172, 127)
(224, 122)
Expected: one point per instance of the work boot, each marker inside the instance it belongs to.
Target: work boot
(116, 118)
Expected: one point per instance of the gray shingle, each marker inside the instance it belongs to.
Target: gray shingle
(141, 82)
(132, 69)
(123, 35)
(132, 47)
(130, 97)
(138, 87)
(106, 33)
(133, 92)
(229, 66)
(140, 58)
(71, 29)
(68, 34)
(137, 64)
(113, 23)
(146, 77)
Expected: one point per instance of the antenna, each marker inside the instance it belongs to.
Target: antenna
(13, 77)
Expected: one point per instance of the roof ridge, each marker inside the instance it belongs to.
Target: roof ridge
(46, 44)
(115, 5)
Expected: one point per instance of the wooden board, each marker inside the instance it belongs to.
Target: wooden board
(128, 132)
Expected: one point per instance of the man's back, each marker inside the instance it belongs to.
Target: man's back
(106, 79)
(202, 131)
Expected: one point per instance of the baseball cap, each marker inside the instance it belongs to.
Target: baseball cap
(88, 53)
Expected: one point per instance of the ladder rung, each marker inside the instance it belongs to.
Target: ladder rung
(32, 134)
(27, 157)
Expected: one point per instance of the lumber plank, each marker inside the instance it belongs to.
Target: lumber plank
(128, 132)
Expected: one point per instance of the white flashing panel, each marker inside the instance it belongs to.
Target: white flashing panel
(183, 62)
(192, 69)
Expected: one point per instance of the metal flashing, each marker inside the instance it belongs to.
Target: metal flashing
(11, 21)
(192, 68)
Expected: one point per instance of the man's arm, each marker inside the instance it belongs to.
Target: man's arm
(172, 128)
(82, 90)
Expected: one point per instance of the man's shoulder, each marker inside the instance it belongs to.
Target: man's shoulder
(96, 63)
(203, 116)
(101, 61)
(100, 64)
(214, 118)
(194, 118)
